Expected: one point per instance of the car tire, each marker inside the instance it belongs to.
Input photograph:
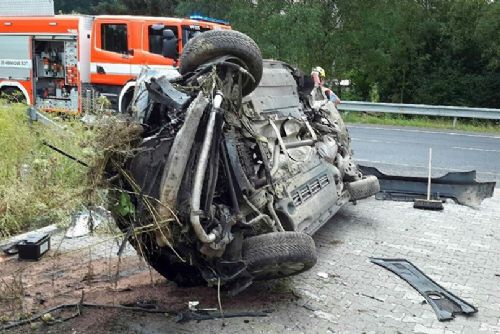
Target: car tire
(364, 188)
(279, 254)
(217, 43)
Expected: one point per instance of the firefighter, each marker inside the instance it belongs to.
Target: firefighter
(318, 75)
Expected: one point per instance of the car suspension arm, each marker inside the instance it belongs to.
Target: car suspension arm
(199, 176)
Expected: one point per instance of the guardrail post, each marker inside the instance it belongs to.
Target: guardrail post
(454, 121)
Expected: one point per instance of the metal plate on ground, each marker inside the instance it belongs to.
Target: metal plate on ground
(444, 303)
(462, 187)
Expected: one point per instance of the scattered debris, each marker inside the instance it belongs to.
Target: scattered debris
(51, 229)
(444, 303)
(462, 187)
(371, 297)
(67, 155)
(193, 306)
(47, 316)
(34, 246)
(86, 221)
(11, 248)
(199, 315)
(322, 274)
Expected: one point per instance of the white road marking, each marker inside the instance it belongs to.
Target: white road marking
(375, 141)
(423, 131)
(474, 149)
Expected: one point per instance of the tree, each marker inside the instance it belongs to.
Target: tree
(410, 51)
(136, 7)
(71, 6)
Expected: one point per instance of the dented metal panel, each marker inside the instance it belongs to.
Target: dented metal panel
(459, 186)
(277, 91)
(444, 303)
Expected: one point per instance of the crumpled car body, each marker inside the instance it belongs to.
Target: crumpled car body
(238, 164)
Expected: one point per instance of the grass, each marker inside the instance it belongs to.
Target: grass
(38, 186)
(473, 125)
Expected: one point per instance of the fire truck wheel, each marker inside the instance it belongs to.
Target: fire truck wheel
(216, 43)
(12, 94)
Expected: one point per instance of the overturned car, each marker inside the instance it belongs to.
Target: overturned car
(238, 162)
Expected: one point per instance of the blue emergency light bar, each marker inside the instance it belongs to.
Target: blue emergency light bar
(208, 19)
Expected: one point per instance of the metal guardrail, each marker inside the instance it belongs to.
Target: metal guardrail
(421, 109)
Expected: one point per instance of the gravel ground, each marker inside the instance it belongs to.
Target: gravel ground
(458, 247)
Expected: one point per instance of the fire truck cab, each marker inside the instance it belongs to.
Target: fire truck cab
(64, 62)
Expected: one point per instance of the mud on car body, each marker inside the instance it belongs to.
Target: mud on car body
(237, 165)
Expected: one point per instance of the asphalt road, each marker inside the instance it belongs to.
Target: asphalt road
(405, 150)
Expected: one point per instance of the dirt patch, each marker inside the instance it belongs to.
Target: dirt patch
(28, 288)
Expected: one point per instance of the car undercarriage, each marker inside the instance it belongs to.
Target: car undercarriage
(238, 162)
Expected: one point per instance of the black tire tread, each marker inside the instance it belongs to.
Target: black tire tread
(363, 188)
(278, 247)
(216, 43)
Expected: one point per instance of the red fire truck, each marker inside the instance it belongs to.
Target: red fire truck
(58, 62)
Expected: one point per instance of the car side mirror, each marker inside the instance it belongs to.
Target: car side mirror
(169, 47)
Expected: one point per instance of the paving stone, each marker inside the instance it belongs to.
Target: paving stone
(450, 247)
(459, 248)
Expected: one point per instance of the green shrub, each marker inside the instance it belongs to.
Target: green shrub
(37, 185)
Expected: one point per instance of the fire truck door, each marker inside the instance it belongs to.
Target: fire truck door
(112, 56)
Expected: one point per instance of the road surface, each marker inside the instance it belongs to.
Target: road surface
(404, 150)
(343, 293)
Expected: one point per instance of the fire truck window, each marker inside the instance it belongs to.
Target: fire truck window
(156, 38)
(114, 38)
(188, 32)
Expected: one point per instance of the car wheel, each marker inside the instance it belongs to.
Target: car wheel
(217, 43)
(364, 188)
(279, 254)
